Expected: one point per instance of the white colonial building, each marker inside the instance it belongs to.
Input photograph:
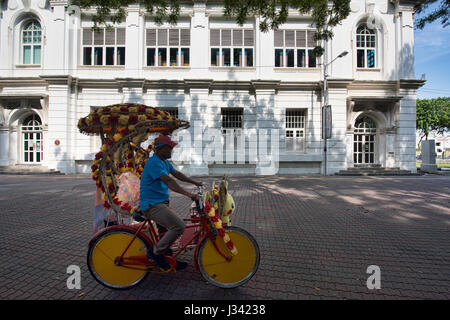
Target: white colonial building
(215, 74)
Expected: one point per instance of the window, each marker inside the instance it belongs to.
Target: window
(232, 47)
(295, 130)
(365, 47)
(294, 48)
(231, 120)
(31, 43)
(104, 47)
(168, 47)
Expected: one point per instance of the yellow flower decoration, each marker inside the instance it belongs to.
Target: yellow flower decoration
(123, 120)
(104, 119)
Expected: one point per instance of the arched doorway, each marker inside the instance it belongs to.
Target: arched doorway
(364, 142)
(32, 139)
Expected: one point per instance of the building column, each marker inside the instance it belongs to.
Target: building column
(61, 125)
(268, 132)
(199, 95)
(4, 146)
(337, 145)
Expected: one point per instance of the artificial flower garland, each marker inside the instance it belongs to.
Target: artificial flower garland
(211, 210)
(124, 118)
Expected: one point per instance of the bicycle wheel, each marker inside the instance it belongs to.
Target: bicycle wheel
(106, 248)
(229, 274)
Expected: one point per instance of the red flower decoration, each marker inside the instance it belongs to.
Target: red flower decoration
(94, 167)
(96, 118)
(216, 197)
(215, 218)
(106, 205)
(111, 188)
(230, 245)
(110, 142)
(124, 109)
(133, 119)
(141, 109)
(106, 109)
(207, 207)
(221, 232)
(130, 165)
(121, 165)
(98, 156)
(114, 119)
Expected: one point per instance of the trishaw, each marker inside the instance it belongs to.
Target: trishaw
(226, 256)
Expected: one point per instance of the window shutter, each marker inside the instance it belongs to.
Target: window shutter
(237, 38)
(226, 37)
(121, 36)
(289, 38)
(185, 37)
(174, 37)
(162, 37)
(110, 37)
(87, 37)
(214, 38)
(249, 38)
(301, 39)
(151, 37)
(99, 37)
(311, 42)
(278, 38)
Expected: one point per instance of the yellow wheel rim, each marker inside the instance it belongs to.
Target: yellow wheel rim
(107, 249)
(232, 273)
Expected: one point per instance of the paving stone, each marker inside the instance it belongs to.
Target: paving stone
(315, 244)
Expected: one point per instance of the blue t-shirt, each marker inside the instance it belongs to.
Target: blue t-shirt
(153, 190)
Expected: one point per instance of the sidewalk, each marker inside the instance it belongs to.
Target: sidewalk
(317, 236)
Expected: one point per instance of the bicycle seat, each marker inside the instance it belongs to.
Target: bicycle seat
(137, 215)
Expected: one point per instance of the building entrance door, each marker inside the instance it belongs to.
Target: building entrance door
(32, 140)
(364, 142)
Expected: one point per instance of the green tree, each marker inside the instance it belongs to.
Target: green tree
(325, 14)
(432, 115)
(442, 12)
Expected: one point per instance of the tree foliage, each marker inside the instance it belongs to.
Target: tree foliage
(433, 115)
(273, 13)
(442, 12)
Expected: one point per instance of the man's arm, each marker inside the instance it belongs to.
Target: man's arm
(180, 176)
(175, 187)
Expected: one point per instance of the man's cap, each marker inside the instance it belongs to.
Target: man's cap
(163, 140)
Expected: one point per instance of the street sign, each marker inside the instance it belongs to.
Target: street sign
(326, 122)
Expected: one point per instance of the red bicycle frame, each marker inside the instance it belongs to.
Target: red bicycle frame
(196, 222)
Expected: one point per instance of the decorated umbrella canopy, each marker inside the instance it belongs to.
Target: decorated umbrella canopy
(123, 128)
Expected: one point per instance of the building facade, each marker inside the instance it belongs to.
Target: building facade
(217, 75)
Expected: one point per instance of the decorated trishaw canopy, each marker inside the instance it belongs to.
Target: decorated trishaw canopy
(112, 118)
(124, 130)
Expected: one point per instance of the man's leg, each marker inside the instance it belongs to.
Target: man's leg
(164, 216)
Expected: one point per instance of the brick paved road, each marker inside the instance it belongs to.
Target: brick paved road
(317, 237)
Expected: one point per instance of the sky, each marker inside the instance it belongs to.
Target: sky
(432, 58)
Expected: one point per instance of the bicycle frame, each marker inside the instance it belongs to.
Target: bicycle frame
(199, 222)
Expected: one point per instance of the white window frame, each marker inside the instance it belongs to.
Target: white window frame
(243, 47)
(31, 44)
(295, 129)
(179, 46)
(365, 35)
(104, 46)
(308, 47)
